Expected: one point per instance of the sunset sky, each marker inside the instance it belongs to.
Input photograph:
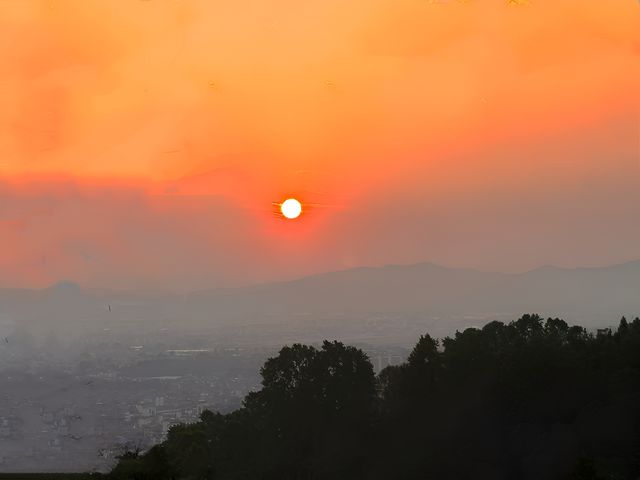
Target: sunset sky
(143, 143)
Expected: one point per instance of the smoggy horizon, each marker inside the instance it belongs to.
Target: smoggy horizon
(154, 289)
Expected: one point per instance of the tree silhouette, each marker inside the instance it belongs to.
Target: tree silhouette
(529, 399)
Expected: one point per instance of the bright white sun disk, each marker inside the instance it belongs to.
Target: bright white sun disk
(291, 208)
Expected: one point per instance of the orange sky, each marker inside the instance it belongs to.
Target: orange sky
(142, 142)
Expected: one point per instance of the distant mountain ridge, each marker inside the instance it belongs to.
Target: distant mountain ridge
(596, 296)
(432, 288)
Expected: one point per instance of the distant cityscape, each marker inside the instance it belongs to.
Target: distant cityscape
(78, 410)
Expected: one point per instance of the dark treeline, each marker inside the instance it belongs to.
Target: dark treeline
(531, 399)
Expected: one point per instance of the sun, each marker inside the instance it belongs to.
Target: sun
(291, 208)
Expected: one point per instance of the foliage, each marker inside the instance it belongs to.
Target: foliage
(526, 400)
